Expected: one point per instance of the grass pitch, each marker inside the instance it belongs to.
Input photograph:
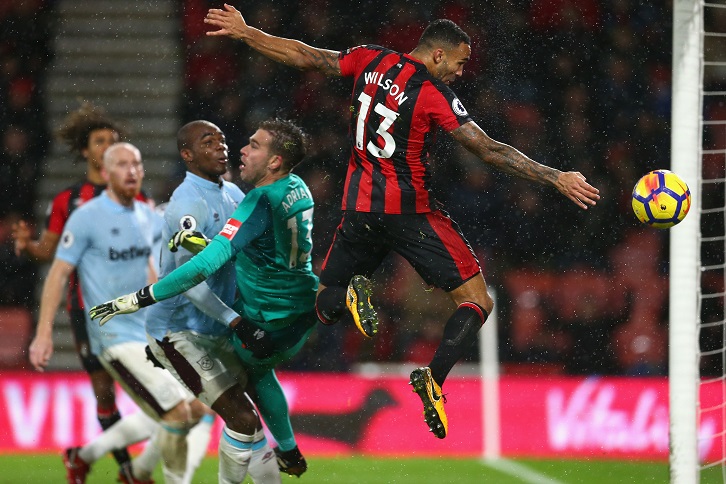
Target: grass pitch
(21, 469)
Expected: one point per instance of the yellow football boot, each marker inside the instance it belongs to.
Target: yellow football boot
(433, 401)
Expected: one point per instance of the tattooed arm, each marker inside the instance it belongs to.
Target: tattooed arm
(286, 51)
(509, 160)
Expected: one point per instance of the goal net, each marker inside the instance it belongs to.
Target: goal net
(697, 328)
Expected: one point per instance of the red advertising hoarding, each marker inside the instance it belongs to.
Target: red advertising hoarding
(345, 414)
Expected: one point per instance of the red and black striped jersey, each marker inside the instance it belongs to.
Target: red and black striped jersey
(63, 204)
(396, 108)
(67, 201)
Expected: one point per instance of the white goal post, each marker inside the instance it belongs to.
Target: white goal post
(489, 370)
(686, 156)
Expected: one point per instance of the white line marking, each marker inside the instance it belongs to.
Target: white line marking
(521, 471)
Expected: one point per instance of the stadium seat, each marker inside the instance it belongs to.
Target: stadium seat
(530, 292)
(15, 326)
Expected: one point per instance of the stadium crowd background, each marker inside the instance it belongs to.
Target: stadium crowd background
(578, 85)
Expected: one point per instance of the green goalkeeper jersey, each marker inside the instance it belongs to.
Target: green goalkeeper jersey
(270, 237)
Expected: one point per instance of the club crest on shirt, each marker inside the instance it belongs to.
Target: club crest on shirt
(66, 239)
(205, 363)
(187, 222)
(458, 108)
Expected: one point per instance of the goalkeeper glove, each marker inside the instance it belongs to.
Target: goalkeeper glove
(130, 303)
(192, 241)
(254, 339)
(291, 461)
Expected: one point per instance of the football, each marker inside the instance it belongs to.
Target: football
(661, 199)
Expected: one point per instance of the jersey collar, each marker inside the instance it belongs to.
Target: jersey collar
(202, 182)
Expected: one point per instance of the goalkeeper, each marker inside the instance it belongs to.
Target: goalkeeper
(269, 237)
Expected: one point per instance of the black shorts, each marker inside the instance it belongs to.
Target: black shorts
(431, 242)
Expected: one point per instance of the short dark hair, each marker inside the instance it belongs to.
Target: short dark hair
(288, 140)
(184, 135)
(79, 124)
(443, 31)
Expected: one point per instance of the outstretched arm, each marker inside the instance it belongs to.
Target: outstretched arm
(290, 52)
(571, 184)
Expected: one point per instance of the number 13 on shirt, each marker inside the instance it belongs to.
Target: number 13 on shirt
(389, 116)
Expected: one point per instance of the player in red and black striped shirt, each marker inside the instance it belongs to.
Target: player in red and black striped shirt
(398, 102)
(87, 132)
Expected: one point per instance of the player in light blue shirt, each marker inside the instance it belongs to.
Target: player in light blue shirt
(110, 245)
(189, 334)
(203, 202)
(109, 242)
